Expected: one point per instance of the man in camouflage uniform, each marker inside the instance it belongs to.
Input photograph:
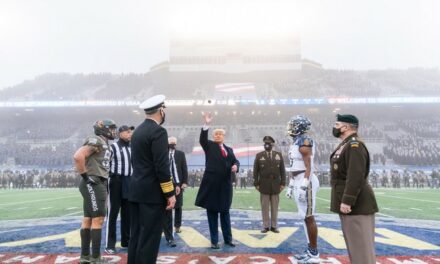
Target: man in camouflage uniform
(92, 161)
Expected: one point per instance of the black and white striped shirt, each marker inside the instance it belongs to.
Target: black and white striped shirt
(121, 159)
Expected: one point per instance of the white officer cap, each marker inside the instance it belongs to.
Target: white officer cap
(153, 103)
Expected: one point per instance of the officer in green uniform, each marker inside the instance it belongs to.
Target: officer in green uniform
(269, 180)
(92, 161)
(351, 195)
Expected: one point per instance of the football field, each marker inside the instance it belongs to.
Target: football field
(15, 204)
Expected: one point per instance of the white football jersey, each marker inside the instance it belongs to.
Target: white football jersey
(295, 157)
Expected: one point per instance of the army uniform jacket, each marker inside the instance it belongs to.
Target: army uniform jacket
(350, 166)
(269, 174)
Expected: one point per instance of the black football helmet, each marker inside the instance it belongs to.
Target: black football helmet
(298, 125)
(105, 128)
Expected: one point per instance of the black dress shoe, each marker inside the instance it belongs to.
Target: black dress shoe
(171, 243)
(265, 230)
(215, 246)
(230, 244)
(274, 229)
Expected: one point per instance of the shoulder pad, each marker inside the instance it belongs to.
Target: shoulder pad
(93, 141)
(304, 140)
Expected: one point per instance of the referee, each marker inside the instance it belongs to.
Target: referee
(120, 172)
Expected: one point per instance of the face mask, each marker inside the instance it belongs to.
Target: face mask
(268, 147)
(172, 146)
(337, 132)
(163, 117)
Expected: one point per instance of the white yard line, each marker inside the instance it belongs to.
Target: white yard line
(74, 213)
(18, 209)
(416, 209)
(12, 230)
(41, 200)
(45, 208)
(385, 215)
(322, 199)
(418, 200)
(71, 208)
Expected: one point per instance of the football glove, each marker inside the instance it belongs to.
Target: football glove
(302, 190)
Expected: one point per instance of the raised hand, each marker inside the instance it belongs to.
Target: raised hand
(207, 118)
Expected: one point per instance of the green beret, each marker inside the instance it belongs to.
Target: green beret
(351, 119)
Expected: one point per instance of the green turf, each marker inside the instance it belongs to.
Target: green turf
(401, 203)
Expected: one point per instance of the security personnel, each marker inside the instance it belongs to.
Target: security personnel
(269, 180)
(351, 195)
(151, 187)
(179, 172)
(120, 172)
(92, 161)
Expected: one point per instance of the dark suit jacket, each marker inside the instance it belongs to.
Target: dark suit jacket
(215, 192)
(182, 172)
(350, 166)
(151, 165)
(269, 174)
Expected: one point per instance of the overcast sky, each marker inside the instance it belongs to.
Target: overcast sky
(83, 36)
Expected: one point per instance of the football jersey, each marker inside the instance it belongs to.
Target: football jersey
(295, 157)
(98, 164)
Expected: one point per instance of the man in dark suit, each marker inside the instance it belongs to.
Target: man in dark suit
(215, 192)
(351, 195)
(269, 180)
(179, 171)
(151, 188)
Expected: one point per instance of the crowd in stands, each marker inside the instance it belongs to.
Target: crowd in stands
(409, 140)
(24, 179)
(315, 84)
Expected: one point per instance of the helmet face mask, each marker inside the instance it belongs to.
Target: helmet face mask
(105, 128)
(298, 125)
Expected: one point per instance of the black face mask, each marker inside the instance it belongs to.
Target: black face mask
(163, 117)
(172, 146)
(337, 132)
(268, 147)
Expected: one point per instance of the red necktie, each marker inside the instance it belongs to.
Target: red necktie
(223, 151)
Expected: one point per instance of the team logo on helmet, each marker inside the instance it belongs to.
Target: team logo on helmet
(298, 125)
(106, 128)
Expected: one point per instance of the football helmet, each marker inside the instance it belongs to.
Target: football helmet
(106, 128)
(298, 125)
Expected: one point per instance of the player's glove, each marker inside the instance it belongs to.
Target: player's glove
(302, 190)
(289, 192)
(87, 179)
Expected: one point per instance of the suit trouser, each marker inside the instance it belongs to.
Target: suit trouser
(146, 231)
(272, 201)
(168, 222)
(359, 234)
(178, 217)
(168, 225)
(116, 202)
(225, 222)
(178, 210)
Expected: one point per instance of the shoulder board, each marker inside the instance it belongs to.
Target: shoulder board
(354, 144)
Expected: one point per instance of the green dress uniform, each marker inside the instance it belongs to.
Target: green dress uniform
(269, 176)
(350, 166)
